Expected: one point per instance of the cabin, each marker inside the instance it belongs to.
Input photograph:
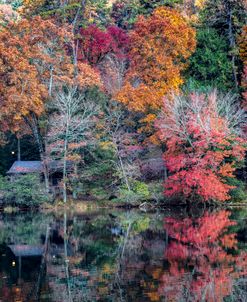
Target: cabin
(55, 168)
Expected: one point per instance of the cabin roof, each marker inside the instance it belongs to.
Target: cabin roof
(36, 166)
(20, 167)
(27, 250)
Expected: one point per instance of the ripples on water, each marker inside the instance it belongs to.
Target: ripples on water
(124, 256)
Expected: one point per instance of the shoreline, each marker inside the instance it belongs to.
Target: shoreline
(83, 206)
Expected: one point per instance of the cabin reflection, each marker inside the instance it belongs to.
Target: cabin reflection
(23, 267)
(19, 266)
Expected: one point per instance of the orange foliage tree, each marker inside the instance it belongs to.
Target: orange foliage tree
(201, 264)
(203, 146)
(7, 14)
(35, 61)
(243, 44)
(22, 78)
(160, 44)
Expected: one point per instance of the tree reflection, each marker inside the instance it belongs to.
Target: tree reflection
(119, 256)
(203, 256)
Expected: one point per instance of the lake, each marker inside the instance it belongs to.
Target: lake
(120, 255)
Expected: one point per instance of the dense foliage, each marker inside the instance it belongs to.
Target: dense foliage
(85, 83)
(159, 46)
(23, 191)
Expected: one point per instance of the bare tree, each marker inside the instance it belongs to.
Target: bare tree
(113, 70)
(178, 112)
(121, 139)
(71, 126)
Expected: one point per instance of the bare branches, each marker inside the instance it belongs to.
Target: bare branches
(178, 112)
(71, 126)
(73, 117)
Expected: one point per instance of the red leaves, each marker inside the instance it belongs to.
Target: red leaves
(199, 258)
(95, 44)
(199, 231)
(201, 151)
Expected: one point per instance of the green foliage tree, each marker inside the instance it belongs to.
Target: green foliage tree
(125, 12)
(227, 17)
(150, 5)
(76, 12)
(210, 65)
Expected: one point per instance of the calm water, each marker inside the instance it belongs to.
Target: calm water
(124, 256)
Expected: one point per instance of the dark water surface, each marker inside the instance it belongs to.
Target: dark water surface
(107, 255)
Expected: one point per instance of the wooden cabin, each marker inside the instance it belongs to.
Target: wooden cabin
(55, 168)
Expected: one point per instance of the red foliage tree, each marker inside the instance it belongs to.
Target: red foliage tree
(107, 51)
(94, 44)
(203, 149)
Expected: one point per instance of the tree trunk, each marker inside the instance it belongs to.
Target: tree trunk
(123, 171)
(51, 81)
(18, 149)
(66, 260)
(232, 42)
(33, 125)
(65, 174)
(65, 162)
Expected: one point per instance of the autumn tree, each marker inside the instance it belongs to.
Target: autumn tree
(160, 44)
(27, 69)
(20, 82)
(204, 146)
(105, 50)
(7, 14)
(70, 127)
(34, 61)
(94, 44)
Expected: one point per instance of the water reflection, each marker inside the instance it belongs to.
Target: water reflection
(21, 249)
(204, 258)
(125, 256)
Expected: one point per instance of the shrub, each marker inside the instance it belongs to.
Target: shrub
(139, 191)
(24, 190)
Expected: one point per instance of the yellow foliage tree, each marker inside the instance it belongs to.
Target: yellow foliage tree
(160, 45)
(243, 44)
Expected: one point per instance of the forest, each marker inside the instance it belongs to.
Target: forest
(128, 101)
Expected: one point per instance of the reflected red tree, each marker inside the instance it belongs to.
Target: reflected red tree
(203, 258)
